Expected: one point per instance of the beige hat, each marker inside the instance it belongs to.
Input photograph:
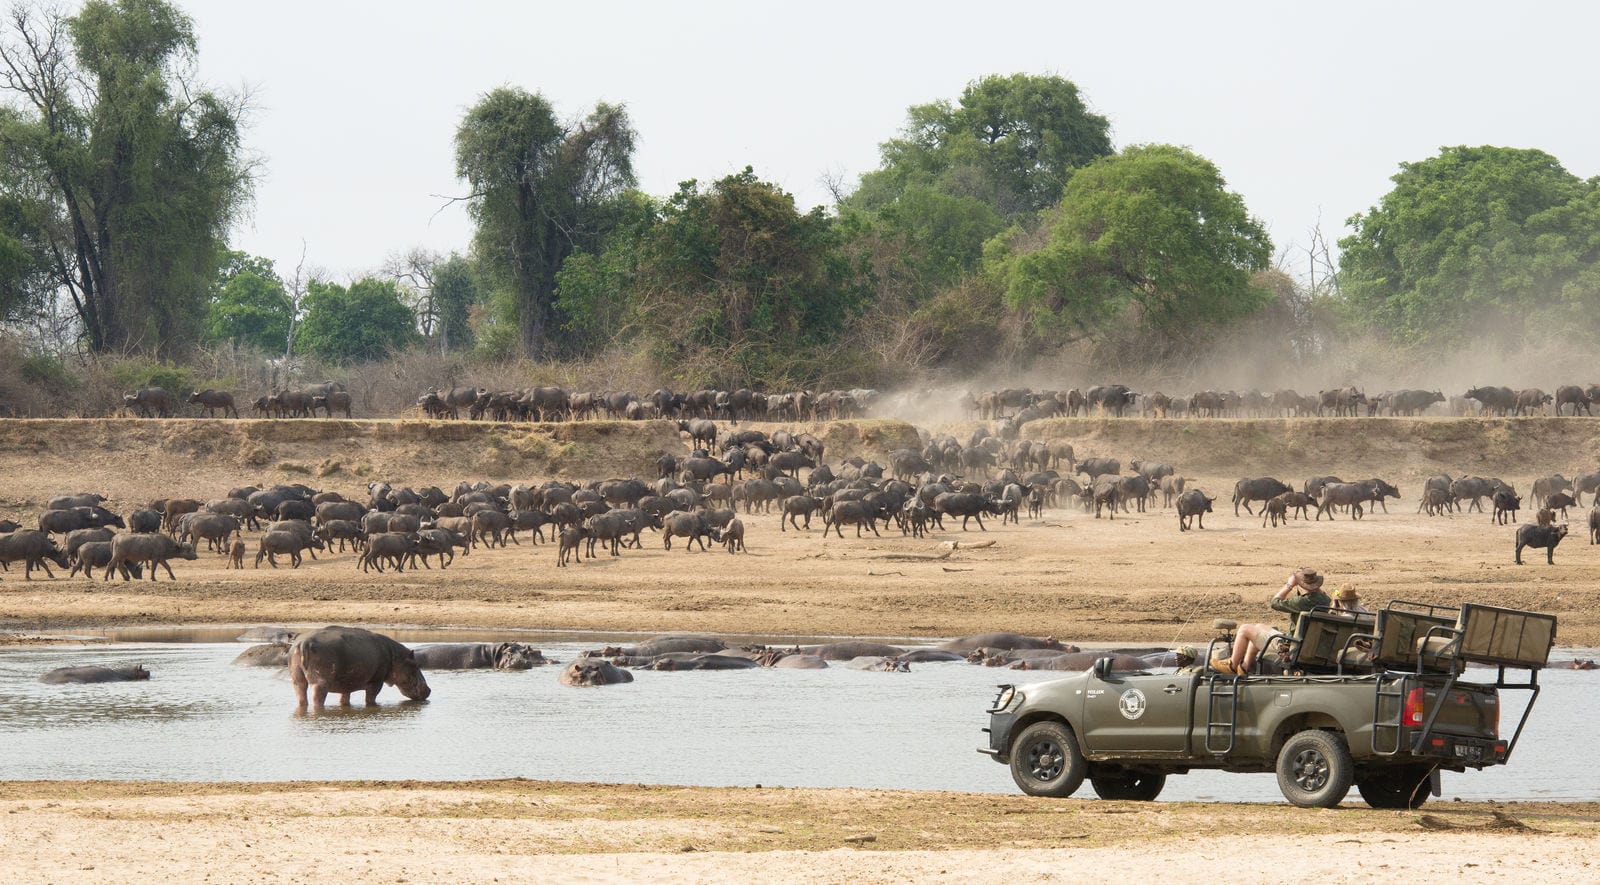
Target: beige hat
(1346, 593)
(1186, 651)
(1309, 578)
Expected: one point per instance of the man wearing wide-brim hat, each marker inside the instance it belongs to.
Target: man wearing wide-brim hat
(1305, 585)
(1346, 599)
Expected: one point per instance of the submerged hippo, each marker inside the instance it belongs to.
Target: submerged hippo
(844, 651)
(693, 661)
(1009, 641)
(480, 656)
(931, 656)
(1082, 661)
(271, 654)
(594, 671)
(661, 645)
(344, 660)
(84, 675)
(796, 661)
(996, 657)
(879, 663)
(266, 634)
(1579, 664)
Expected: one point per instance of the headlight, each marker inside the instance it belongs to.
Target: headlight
(1008, 694)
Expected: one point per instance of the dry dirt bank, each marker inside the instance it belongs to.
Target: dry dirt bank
(1132, 579)
(482, 831)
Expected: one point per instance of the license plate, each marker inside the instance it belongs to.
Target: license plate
(1468, 751)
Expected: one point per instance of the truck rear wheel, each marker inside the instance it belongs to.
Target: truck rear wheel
(1314, 769)
(1045, 761)
(1405, 786)
(1133, 786)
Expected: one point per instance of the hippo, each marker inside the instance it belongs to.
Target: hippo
(931, 655)
(844, 651)
(1002, 640)
(594, 671)
(345, 660)
(480, 656)
(879, 663)
(269, 654)
(696, 661)
(266, 634)
(84, 675)
(1082, 661)
(661, 645)
(1579, 664)
(787, 661)
(994, 657)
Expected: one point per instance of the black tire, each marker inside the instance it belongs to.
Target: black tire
(1045, 761)
(1132, 786)
(1314, 769)
(1402, 787)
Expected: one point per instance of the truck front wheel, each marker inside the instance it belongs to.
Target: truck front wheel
(1133, 786)
(1397, 787)
(1314, 769)
(1045, 761)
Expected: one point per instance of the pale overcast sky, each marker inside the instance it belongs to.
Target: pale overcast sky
(1306, 108)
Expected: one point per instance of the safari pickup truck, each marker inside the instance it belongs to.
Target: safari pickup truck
(1383, 702)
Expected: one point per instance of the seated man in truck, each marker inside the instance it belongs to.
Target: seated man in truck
(1306, 586)
(1254, 641)
(1184, 657)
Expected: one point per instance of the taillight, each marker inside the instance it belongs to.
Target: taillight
(1413, 711)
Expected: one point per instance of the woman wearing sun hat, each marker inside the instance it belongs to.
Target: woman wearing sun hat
(1346, 599)
(1306, 585)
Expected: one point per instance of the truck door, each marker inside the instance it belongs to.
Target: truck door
(1138, 714)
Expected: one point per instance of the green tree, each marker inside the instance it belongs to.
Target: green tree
(1011, 142)
(736, 272)
(1476, 238)
(133, 172)
(364, 322)
(1149, 239)
(251, 305)
(541, 189)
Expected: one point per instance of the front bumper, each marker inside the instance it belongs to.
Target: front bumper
(1001, 726)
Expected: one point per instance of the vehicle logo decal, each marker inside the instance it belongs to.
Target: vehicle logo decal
(1132, 704)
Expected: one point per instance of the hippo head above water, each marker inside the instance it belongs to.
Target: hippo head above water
(594, 671)
(517, 656)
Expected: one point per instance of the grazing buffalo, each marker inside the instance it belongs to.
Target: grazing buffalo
(1193, 504)
(34, 550)
(344, 660)
(1094, 468)
(148, 550)
(594, 671)
(1536, 536)
(480, 656)
(85, 675)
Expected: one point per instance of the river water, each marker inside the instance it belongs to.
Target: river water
(199, 718)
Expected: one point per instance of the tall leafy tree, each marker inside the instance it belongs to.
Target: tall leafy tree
(132, 170)
(251, 305)
(366, 321)
(541, 188)
(1010, 142)
(1472, 240)
(738, 271)
(1149, 240)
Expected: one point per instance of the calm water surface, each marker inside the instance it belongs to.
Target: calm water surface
(200, 718)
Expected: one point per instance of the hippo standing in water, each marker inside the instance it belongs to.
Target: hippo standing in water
(594, 671)
(84, 675)
(480, 656)
(344, 660)
(270, 654)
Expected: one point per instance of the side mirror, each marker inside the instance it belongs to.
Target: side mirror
(1102, 669)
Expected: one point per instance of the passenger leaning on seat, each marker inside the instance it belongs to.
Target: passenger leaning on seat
(1252, 641)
